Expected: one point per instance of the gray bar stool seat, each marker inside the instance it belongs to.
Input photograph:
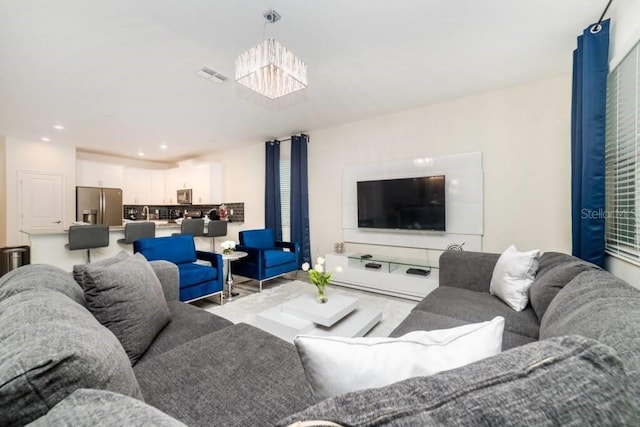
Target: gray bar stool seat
(216, 228)
(88, 237)
(138, 230)
(192, 226)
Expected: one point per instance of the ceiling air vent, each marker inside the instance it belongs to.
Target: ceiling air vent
(209, 74)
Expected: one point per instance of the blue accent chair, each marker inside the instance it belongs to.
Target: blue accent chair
(267, 257)
(196, 280)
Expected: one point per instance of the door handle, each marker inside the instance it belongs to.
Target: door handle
(57, 222)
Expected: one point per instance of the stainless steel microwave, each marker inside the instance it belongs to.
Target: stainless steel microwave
(184, 196)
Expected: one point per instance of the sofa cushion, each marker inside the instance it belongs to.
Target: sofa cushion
(176, 249)
(79, 270)
(512, 276)
(237, 376)
(187, 323)
(336, 365)
(598, 305)
(192, 274)
(127, 298)
(260, 239)
(275, 257)
(419, 320)
(547, 285)
(51, 346)
(550, 260)
(468, 270)
(40, 276)
(87, 407)
(565, 381)
(473, 307)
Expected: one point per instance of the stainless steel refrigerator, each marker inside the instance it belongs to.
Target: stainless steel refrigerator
(99, 205)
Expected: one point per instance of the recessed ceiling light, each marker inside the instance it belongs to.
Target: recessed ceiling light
(141, 153)
(58, 127)
(164, 146)
(45, 139)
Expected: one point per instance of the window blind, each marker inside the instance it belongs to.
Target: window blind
(285, 192)
(622, 158)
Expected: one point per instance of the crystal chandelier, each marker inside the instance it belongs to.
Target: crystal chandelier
(271, 69)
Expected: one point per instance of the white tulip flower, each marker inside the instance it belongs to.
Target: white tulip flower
(319, 268)
(305, 266)
(320, 260)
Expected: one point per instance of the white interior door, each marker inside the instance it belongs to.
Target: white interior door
(42, 201)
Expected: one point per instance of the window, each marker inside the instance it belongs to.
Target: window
(622, 159)
(285, 192)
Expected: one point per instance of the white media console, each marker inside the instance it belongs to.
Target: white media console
(391, 278)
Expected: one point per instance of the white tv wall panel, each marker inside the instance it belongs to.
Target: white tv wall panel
(464, 201)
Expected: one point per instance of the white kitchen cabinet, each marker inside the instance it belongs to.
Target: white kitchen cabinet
(173, 180)
(216, 183)
(136, 189)
(97, 174)
(206, 182)
(157, 187)
(205, 179)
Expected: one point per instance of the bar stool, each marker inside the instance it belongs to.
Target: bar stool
(216, 229)
(192, 226)
(88, 237)
(138, 230)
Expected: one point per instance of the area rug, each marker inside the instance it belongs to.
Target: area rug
(244, 309)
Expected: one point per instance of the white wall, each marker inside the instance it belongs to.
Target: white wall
(3, 194)
(625, 29)
(625, 33)
(42, 157)
(243, 181)
(522, 132)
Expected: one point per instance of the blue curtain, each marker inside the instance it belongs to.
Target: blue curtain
(590, 68)
(272, 213)
(300, 196)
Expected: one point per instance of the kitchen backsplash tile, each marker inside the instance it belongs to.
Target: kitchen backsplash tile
(169, 212)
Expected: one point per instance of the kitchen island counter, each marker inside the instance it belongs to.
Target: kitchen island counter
(48, 247)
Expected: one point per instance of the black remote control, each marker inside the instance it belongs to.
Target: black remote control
(373, 265)
(367, 256)
(418, 271)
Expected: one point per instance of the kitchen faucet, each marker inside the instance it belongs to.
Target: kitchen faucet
(146, 209)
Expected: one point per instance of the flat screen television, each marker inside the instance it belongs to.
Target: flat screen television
(406, 203)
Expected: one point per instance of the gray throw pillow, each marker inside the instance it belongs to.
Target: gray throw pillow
(550, 260)
(78, 270)
(87, 407)
(49, 347)
(545, 288)
(127, 298)
(40, 276)
(568, 380)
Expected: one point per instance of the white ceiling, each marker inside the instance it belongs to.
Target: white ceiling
(120, 75)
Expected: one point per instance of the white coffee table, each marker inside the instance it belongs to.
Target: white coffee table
(340, 316)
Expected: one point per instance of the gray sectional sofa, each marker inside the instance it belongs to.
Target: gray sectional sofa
(200, 369)
(571, 357)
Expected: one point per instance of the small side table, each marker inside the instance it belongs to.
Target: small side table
(228, 258)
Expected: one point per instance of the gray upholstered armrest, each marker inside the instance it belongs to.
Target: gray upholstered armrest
(468, 270)
(167, 272)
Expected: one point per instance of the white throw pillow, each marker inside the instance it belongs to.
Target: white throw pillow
(335, 365)
(513, 275)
